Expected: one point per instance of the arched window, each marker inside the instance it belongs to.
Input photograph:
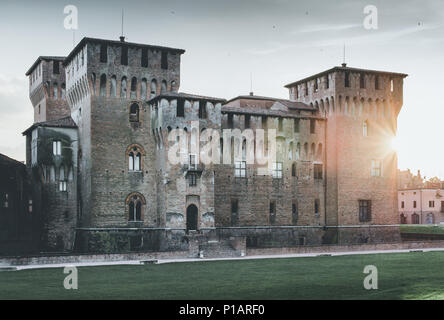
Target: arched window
(312, 151)
(306, 150)
(123, 88)
(113, 88)
(103, 85)
(143, 89)
(135, 154)
(290, 151)
(153, 92)
(134, 113)
(163, 87)
(93, 82)
(63, 91)
(319, 153)
(298, 151)
(136, 206)
(173, 85)
(365, 128)
(54, 90)
(133, 88)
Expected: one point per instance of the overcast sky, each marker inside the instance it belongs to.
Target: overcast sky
(278, 41)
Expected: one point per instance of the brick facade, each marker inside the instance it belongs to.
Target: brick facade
(332, 143)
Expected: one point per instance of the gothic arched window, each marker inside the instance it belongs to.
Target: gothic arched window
(123, 86)
(135, 207)
(135, 154)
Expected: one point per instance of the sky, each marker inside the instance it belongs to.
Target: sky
(230, 42)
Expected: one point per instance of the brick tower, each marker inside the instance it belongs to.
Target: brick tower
(361, 107)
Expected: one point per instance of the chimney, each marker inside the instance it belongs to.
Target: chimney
(251, 93)
(344, 65)
(122, 39)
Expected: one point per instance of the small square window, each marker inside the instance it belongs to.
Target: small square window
(240, 169)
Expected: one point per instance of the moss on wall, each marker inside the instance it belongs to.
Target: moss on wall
(106, 242)
(45, 148)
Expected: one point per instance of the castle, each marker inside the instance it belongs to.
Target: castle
(98, 156)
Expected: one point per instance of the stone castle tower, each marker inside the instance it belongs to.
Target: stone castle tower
(361, 107)
(47, 89)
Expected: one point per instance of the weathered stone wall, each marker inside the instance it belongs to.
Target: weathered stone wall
(254, 192)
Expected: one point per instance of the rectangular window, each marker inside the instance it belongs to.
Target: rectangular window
(327, 82)
(312, 125)
(230, 121)
(365, 212)
(124, 56)
(62, 186)
(362, 81)
(6, 201)
(272, 212)
(442, 206)
(103, 53)
(264, 122)
(317, 206)
(391, 85)
(240, 169)
(180, 112)
(192, 180)
(193, 162)
(315, 85)
(377, 87)
(30, 206)
(57, 148)
(402, 204)
(317, 171)
(202, 110)
(234, 212)
(431, 204)
(164, 60)
(306, 88)
(414, 204)
(55, 67)
(376, 168)
(280, 124)
(294, 213)
(347, 79)
(144, 62)
(277, 170)
(296, 125)
(365, 129)
(247, 121)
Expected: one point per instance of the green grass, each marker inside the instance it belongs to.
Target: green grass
(414, 275)
(424, 229)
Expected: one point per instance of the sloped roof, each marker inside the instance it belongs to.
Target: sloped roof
(66, 122)
(5, 160)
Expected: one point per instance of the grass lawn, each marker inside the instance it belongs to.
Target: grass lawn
(422, 228)
(414, 275)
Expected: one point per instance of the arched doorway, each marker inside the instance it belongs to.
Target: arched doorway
(192, 217)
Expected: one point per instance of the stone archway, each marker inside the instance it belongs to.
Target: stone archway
(192, 217)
